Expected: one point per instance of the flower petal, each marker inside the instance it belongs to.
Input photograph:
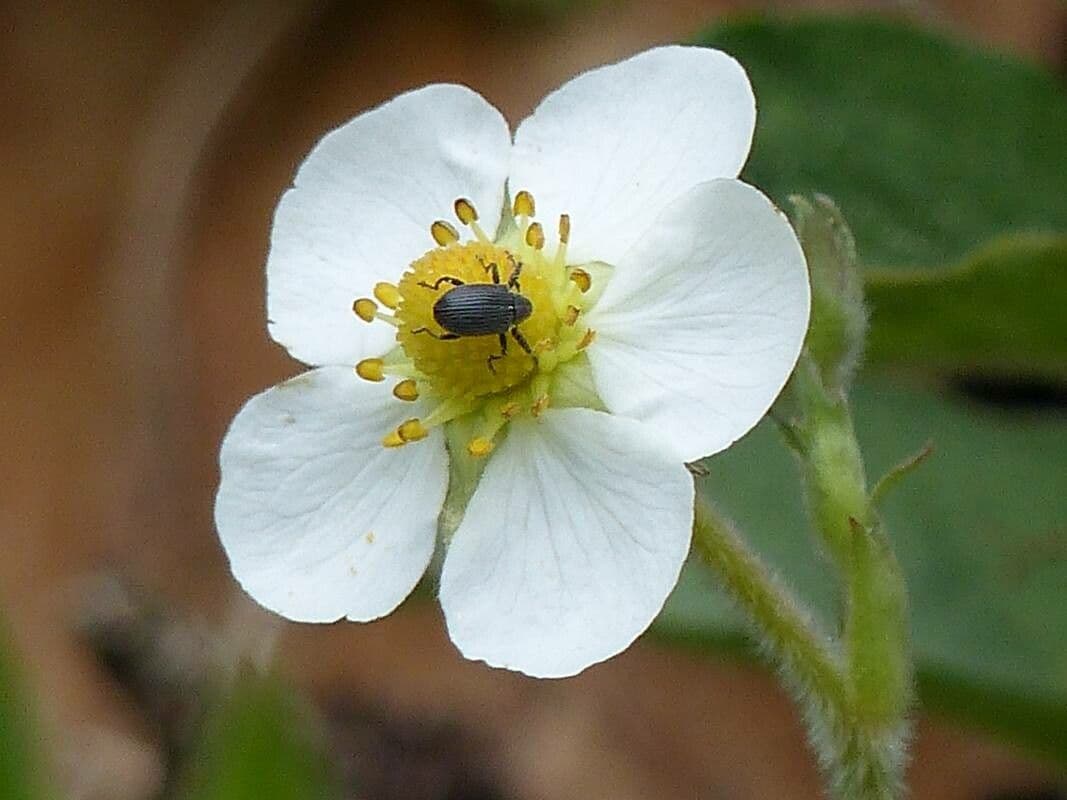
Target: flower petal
(615, 145)
(318, 519)
(700, 331)
(361, 209)
(573, 540)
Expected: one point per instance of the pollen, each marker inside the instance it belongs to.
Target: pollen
(465, 211)
(387, 294)
(582, 279)
(412, 430)
(371, 369)
(365, 308)
(524, 204)
(535, 236)
(564, 228)
(480, 447)
(443, 233)
(392, 439)
(406, 390)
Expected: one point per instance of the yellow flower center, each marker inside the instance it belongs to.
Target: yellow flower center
(481, 325)
(470, 366)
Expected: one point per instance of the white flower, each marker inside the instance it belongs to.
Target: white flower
(668, 304)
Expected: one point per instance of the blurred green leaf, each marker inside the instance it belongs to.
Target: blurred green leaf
(20, 774)
(260, 745)
(980, 528)
(930, 147)
(1002, 311)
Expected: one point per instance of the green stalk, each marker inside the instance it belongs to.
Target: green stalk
(806, 657)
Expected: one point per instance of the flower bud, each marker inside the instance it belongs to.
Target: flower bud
(838, 317)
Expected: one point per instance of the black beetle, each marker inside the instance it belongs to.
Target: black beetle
(481, 309)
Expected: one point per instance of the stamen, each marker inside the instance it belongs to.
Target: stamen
(480, 447)
(403, 368)
(412, 430)
(540, 405)
(371, 369)
(447, 411)
(564, 228)
(564, 237)
(388, 295)
(406, 390)
(465, 211)
(524, 204)
(443, 233)
(587, 339)
(468, 215)
(392, 439)
(582, 279)
(571, 315)
(510, 410)
(365, 308)
(535, 236)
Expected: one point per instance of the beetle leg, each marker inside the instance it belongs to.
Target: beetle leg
(503, 352)
(490, 267)
(516, 268)
(443, 279)
(441, 337)
(517, 335)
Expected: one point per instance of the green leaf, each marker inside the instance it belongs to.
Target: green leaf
(20, 775)
(1000, 312)
(980, 529)
(930, 147)
(260, 745)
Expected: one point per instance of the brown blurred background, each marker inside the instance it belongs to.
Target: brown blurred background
(142, 149)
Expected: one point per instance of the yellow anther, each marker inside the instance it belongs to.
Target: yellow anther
(465, 211)
(365, 309)
(564, 228)
(587, 339)
(510, 410)
(524, 204)
(480, 447)
(412, 430)
(535, 236)
(406, 390)
(582, 279)
(388, 295)
(392, 439)
(443, 233)
(571, 315)
(371, 369)
(539, 405)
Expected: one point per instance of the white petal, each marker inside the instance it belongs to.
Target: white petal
(318, 519)
(361, 209)
(615, 145)
(570, 545)
(699, 332)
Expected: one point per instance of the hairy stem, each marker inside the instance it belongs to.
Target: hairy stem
(807, 658)
(854, 695)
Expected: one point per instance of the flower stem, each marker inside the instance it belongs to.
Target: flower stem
(861, 754)
(848, 525)
(807, 658)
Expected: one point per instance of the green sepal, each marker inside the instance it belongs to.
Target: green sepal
(464, 472)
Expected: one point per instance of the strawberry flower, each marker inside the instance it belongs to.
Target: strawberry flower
(542, 328)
